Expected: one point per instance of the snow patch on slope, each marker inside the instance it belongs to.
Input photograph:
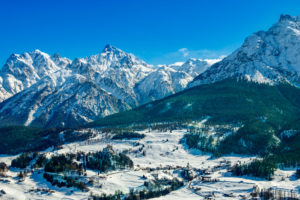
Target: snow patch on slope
(271, 57)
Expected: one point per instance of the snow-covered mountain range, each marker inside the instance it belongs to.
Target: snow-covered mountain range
(22, 71)
(50, 91)
(167, 80)
(270, 56)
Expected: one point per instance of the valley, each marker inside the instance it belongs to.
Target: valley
(110, 126)
(159, 155)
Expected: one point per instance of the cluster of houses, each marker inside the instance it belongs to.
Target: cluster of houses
(42, 190)
(273, 193)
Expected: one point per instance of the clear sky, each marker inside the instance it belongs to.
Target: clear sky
(158, 31)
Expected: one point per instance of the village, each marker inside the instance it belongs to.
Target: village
(160, 161)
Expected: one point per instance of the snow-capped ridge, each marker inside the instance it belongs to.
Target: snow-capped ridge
(50, 91)
(110, 48)
(21, 71)
(287, 17)
(271, 57)
(169, 79)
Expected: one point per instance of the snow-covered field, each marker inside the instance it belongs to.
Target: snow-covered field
(157, 150)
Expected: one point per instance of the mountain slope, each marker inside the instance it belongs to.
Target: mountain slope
(22, 71)
(70, 94)
(167, 80)
(266, 57)
(114, 71)
(226, 101)
(160, 83)
(234, 93)
(62, 99)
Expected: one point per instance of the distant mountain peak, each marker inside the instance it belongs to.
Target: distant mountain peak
(85, 89)
(45, 90)
(286, 17)
(110, 48)
(37, 51)
(56, 55)
(21, 71)
(271, 56)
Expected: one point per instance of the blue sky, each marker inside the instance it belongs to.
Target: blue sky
(158, 31)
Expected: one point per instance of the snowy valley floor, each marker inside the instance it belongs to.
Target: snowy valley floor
(164, 156)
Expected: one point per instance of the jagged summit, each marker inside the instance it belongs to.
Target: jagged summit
(109, 47)
(15, 56)
(56, 55)
(169, 79)
(37, 51)
(53, 91)
(21, 71)
(286, 17)
(111, 51)
(113, 80)
(270, 56)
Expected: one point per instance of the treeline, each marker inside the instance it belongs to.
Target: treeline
(226, 101)
(282, 157)
(253, 138)
(64, 169)
(103, 161)
(23, 160)
(278, 148)
(160, 126)
(298, 173)
(70, 166)
(258, 168)
(64, 163)
(160, 188)
(128, 135)
(199, 141)
(107, 160)
(3, 167)
(17, 139)
(66, 181)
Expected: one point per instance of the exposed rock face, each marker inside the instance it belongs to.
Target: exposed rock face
(50, 91)
(22, 71)
(266, 57)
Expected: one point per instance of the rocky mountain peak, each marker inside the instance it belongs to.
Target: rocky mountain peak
(110, 48)
(271, 56)
(286, 17)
